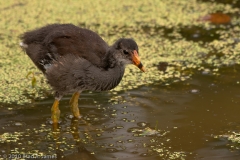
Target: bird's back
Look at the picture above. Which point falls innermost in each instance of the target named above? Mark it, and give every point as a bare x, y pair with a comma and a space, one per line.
53, 41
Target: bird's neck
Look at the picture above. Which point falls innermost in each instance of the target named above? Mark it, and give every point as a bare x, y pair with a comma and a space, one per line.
109, 60
113, 71
112, 77
101, 79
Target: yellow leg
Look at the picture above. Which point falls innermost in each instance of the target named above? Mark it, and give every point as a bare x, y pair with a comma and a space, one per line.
55, 111
74, 104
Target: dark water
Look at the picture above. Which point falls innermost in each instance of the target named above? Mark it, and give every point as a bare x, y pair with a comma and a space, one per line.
191, 113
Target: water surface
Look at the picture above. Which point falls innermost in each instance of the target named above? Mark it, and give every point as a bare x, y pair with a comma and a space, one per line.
186, 117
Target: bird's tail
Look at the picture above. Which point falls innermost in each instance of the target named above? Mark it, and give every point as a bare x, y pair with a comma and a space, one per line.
23, 45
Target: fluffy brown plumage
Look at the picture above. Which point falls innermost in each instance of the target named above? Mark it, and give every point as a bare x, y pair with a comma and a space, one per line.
74, 59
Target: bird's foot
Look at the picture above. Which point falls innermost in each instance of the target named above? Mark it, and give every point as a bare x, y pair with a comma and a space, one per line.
75, 111
55, 131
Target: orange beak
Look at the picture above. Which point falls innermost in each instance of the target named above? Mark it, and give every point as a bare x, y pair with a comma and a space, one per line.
136, 61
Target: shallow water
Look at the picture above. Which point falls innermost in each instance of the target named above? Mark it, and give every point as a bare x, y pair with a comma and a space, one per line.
189, 119
186, 116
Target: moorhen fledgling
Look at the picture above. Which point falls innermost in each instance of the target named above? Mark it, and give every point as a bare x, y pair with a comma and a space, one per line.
74, 59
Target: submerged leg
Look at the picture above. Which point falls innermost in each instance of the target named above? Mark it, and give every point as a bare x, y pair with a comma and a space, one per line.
55, 111
74, 104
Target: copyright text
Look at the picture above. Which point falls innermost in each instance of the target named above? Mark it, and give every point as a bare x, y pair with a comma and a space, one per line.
28, 156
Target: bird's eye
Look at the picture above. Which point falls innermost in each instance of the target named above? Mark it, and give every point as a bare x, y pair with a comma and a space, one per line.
125, 51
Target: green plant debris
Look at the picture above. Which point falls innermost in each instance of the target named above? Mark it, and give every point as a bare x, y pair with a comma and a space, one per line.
233, 139
39, 137
158, 145
44, 141
154, 24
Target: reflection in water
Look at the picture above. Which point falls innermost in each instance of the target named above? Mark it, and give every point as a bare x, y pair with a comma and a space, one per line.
152, 122
82, 153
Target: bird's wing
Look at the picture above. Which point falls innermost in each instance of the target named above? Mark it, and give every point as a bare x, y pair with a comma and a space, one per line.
52, 41
81, 42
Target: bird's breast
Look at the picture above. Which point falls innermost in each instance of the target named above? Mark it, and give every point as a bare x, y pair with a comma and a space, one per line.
98, 79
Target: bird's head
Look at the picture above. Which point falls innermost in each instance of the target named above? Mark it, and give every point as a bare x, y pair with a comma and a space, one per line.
126, 52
